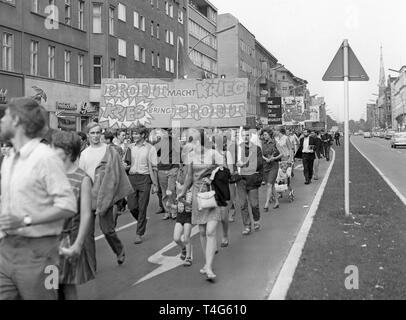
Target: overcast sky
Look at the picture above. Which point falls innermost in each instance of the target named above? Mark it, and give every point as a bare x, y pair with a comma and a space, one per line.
304, 35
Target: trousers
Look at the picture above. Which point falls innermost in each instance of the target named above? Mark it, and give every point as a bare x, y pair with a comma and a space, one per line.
139, 200
27, 268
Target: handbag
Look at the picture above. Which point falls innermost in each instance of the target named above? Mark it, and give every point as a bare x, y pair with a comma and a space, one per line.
206, 200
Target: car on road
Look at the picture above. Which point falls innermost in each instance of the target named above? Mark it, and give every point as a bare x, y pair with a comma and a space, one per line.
398, 139
367, 134
389, 134
381, 134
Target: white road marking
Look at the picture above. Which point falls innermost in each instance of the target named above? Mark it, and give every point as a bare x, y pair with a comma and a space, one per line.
285, 277
390, 184
117, 230
166, 262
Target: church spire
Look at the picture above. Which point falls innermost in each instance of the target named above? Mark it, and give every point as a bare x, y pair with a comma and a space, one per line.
382, 73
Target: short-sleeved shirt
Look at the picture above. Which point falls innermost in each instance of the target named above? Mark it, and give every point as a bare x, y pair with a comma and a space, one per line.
141, 156
33, 181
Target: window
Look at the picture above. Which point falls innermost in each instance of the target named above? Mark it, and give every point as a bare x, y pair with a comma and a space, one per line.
152, 3
122, 76
171, 11
167, 64
158, 63
122, 48
136, 20
152, 59
142, 53
34, 6
8, 52
67, 12
81, 13
122, 12
97, 69
51, 62
180, 16
142, 21
172, 65
112, 68
81, 59
67, 66
97, 23
136, 52
171, 37
166, 36
152, 28
34, 58
157, 31
157, 4
167, 8
111, 21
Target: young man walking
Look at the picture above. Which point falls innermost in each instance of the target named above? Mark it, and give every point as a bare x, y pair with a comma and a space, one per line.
36, 198
251, 166
110, 184
326, 139
142, 157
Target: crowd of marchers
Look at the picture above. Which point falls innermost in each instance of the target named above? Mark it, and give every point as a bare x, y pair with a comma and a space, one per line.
55, 186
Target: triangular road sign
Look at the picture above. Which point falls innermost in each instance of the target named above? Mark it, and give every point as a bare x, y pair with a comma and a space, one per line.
335, 71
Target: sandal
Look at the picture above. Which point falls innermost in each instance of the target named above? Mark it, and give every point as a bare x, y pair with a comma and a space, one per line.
224, 244
203, 270
188, 262
210, 276
183, 253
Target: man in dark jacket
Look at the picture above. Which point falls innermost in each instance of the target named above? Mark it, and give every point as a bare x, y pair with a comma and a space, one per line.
306, 152
327, 139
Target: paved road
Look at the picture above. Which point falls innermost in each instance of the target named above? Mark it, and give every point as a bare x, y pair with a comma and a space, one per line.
245, 270
392, 162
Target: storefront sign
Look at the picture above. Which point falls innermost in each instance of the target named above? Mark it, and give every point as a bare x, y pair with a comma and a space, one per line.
88, 109
66, 107
275, 111
157, 103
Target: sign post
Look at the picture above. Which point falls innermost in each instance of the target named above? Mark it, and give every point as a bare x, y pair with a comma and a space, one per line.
346, 67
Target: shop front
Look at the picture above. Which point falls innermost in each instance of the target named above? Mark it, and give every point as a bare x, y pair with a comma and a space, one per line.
67, 105
11, 86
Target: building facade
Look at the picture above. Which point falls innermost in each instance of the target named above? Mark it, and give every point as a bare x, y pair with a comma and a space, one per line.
202, 38
66, 48
370, 122
398, 101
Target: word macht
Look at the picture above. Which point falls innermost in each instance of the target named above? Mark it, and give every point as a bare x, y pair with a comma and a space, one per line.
148, 90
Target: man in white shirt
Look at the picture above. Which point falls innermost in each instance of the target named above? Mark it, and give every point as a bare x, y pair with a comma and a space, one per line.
143, 160
90, 159
36, 198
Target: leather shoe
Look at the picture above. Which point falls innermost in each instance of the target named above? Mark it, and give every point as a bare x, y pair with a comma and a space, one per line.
138, 239
121, 257
306, 182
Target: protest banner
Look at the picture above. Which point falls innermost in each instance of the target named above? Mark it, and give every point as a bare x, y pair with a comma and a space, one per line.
162, 103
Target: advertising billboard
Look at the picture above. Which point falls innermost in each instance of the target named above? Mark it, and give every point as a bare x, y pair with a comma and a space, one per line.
274, 111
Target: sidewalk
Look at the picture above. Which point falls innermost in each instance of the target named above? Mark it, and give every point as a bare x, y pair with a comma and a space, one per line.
374, 240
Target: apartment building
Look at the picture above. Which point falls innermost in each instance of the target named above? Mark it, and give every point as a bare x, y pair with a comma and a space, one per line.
66, 48
202, 38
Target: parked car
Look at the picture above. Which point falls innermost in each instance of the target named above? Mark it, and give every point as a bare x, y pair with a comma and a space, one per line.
381, 134
367, 134
398, 139
389, 134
